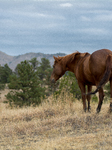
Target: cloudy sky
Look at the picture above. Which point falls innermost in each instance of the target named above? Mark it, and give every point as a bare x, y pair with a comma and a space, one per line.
52, 26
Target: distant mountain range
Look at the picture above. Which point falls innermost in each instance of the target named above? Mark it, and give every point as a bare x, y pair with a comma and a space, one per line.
12, 61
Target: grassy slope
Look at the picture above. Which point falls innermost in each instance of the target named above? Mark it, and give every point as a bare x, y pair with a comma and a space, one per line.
55, 126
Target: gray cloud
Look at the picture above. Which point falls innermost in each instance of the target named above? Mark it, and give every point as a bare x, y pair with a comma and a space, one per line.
55, 26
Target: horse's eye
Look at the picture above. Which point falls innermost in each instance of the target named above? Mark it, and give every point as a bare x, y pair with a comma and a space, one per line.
53, 66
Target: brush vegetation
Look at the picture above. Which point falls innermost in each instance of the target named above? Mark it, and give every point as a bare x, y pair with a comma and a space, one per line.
56, 124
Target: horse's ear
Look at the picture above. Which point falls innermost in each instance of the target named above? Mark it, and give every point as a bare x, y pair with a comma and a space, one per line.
55, 58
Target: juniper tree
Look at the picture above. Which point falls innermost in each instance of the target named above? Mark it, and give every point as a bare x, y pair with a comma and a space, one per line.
34, 62
27, 86
5, 73
44, 66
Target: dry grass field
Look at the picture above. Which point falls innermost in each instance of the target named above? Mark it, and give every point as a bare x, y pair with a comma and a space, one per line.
55, 125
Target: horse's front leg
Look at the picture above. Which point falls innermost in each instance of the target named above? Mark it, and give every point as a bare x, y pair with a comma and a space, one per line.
89, 97
83, 92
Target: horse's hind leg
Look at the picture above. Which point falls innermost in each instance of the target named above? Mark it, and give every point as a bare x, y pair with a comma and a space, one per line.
101, 96
89, 97
111, 94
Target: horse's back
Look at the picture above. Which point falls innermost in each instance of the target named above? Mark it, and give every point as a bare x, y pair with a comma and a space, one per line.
97, 62
98, 58
101, 53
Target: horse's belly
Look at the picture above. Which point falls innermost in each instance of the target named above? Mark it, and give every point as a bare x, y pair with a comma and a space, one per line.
89, 79
87, 73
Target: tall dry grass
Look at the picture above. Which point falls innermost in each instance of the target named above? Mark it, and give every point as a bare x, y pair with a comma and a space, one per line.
58, 124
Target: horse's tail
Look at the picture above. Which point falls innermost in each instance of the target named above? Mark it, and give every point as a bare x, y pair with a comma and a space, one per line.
106, 75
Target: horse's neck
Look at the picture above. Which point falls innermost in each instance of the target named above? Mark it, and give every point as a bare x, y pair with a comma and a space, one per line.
73, 65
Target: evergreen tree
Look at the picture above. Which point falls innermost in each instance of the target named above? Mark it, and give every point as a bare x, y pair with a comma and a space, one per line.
27, 84
13, 82
5, 73
34, 63
44, 66
45, 71
51, 87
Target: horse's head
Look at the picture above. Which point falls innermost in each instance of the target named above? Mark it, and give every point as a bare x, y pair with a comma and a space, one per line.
58, 69
66, 63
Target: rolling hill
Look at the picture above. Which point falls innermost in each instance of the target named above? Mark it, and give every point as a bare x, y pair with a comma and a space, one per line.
12, 61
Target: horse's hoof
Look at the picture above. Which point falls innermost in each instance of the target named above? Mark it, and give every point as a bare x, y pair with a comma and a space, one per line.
110, 110
89, 110
97, 111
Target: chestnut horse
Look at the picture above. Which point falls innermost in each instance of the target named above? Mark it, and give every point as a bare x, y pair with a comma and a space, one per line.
89, 69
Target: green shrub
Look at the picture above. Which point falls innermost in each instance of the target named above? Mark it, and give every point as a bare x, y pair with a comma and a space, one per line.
69, 83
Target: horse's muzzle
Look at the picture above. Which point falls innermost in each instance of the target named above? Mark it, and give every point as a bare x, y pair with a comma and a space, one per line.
53, 80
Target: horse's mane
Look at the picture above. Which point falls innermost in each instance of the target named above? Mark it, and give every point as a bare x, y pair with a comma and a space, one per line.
68, 58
